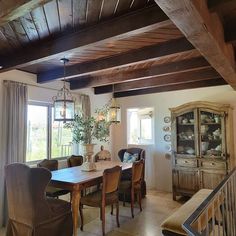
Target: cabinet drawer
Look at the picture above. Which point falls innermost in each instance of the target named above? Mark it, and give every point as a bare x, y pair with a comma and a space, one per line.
213, 164
186, 162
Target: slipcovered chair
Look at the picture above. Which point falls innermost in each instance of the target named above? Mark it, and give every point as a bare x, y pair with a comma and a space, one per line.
127, 175
74, 161
52, 191
30, 212
107, 196
133, 186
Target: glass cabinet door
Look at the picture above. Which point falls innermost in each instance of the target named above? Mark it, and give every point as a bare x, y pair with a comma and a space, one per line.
212, 136
185, 139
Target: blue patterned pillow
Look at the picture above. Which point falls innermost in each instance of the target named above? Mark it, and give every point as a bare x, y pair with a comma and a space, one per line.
130, 158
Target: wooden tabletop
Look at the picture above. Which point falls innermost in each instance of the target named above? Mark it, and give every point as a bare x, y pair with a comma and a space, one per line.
75, 175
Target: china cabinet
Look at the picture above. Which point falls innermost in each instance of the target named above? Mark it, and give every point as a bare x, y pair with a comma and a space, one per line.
202, 146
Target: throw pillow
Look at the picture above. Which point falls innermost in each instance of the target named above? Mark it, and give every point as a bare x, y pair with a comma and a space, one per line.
130, 158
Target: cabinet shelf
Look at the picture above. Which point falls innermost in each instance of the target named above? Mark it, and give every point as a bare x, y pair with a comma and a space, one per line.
183, 140
187, 124
211, 123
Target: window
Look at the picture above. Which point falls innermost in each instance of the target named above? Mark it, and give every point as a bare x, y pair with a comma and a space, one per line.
140, 126
46, 138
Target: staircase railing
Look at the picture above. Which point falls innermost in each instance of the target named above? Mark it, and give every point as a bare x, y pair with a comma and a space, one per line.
216, 216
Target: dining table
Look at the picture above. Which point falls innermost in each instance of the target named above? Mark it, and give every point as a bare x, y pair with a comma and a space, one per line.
75, 179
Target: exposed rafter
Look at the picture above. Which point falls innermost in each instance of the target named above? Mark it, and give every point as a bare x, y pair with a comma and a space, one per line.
163, 80
146, 54
191, 85
165, 69
204, 30
118, 28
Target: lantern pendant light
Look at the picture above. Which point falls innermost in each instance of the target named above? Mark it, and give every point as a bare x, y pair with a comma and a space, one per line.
114, 113
64, 103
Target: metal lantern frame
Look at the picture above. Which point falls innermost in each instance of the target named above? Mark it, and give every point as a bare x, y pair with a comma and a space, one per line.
114, 113
64, 102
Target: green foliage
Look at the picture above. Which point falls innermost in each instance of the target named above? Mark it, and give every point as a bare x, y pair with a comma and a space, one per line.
86, 129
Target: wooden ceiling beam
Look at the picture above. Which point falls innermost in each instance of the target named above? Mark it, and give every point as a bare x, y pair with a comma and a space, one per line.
230, 32
118, 28
164, 69
11, 10
205, 31
190, 85
179, 78
214, 4
151, 53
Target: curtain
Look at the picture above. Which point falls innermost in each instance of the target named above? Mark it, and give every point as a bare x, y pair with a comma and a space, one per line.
83, 104
13, 133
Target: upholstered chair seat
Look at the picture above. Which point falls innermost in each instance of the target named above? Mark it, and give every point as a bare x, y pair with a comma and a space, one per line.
125, 186
102, 198
52, 191
95, 199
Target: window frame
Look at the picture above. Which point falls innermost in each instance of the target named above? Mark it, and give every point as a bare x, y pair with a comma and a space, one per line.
49, 107
141, 141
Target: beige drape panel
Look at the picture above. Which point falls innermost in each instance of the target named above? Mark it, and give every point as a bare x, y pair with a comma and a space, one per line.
83, 104
13, 132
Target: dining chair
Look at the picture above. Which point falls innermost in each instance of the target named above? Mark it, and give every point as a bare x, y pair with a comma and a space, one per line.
133, 186
30, 212
52, 191
74, 160
108, 195
127, 174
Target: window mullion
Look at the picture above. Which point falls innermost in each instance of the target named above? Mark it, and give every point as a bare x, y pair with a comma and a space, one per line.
49, 141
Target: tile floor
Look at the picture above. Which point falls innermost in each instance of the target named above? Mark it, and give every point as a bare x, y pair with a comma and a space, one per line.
156, 207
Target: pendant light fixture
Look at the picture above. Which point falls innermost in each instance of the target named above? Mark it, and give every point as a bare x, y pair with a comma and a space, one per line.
64, 103
114, 114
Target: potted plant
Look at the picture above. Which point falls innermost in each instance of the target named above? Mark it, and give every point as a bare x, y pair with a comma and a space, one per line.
85, 130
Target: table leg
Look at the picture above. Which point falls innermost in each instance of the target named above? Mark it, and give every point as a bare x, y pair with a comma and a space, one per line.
75, 210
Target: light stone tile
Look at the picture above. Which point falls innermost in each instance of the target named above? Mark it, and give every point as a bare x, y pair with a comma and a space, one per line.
156, 207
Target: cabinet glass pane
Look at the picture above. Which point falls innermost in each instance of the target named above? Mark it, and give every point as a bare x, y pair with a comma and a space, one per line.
185, 134
211, 134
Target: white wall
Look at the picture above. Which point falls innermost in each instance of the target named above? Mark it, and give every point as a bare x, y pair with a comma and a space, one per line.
158, 167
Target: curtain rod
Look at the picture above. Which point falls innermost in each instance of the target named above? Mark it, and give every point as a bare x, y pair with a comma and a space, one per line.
38, 86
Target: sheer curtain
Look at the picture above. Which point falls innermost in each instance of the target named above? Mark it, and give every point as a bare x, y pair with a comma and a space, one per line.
13, 132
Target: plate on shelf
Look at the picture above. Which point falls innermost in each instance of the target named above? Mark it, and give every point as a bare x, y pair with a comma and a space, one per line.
168, 147
166, 128
167, 137
167, 119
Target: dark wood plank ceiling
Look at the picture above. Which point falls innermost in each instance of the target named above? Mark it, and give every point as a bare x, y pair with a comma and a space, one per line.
59, 17
129, 43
